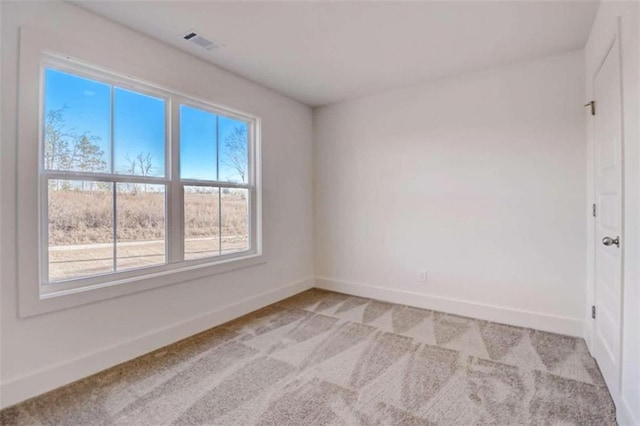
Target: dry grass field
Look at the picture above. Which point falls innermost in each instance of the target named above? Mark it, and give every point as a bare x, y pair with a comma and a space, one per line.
81, 228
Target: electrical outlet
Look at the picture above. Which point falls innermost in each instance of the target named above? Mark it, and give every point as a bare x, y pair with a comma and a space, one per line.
422, 276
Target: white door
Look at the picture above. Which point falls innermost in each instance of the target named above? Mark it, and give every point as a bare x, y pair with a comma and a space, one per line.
609, 219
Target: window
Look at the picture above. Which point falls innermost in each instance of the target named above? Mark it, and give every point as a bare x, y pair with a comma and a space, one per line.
214, 172
136, 180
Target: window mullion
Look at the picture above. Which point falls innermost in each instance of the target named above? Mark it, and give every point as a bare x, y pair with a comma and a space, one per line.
111, 130
103, 177
44, 230
175, 190
219, 188
210, 183
220, 220
113, 185
115, 227
251, 181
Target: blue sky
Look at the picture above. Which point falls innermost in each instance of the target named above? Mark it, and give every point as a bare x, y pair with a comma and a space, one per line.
139, 126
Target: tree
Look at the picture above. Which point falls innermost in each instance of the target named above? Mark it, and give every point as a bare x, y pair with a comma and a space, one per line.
145, 163
68, 149
235, 146
140, 165
56, 145
88, 155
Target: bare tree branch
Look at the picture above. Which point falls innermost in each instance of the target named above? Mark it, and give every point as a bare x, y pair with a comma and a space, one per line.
235, 146
68, 149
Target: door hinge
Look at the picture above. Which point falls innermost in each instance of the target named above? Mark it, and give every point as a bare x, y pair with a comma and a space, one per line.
593, 312
592, 104
594, 210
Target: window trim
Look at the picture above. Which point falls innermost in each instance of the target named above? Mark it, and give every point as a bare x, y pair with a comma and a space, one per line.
36, 53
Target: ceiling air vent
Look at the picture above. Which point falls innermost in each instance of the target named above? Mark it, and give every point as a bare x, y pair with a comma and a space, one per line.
199, 40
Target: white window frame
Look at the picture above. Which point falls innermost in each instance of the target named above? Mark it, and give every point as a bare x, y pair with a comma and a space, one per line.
37, 295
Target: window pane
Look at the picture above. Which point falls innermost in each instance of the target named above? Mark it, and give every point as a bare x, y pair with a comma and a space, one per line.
77, 123
139, 134
235, 220
140, 228
80, 215
198, 150
201, 222
233, 148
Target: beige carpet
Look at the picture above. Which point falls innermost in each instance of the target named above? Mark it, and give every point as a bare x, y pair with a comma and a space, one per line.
323, 358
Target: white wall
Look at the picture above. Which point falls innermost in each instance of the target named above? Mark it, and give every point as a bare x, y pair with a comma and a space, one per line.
478, 179
626, 15
46, 351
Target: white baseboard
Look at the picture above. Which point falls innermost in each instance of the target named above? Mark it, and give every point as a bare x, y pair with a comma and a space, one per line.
39, 382
501, 314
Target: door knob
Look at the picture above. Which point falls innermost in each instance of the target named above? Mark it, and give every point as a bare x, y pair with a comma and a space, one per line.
607, 241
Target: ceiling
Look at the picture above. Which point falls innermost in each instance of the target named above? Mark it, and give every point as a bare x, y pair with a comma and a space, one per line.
324, 52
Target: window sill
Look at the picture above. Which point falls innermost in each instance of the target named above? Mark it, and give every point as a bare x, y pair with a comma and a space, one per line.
52, 301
